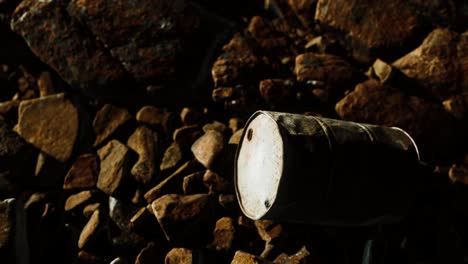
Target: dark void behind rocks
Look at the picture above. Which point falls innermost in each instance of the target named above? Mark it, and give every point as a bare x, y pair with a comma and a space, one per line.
119, 122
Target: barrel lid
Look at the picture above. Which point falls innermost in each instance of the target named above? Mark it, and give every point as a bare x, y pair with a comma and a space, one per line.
259, 165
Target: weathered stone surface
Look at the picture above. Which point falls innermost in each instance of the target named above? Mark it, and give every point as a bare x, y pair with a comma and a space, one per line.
115, 165
186, 219
326, 71
439, 63
224, 234
171, 184
148, 48
428, 123
63, 45
214, 182
193, 183
208, 147
92, 231
51, 124
83, 173
301, 257
173, 157
107, 120
145, 142
236, 65
79, 200
371, 25
179, 256
242, 257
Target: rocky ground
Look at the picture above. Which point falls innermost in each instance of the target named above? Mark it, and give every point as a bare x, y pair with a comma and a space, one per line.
119, 121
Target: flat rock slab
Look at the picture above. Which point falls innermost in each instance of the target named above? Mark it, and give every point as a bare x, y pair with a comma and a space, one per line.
439, 64
115, 159
62, 44
107, 121
145, 142
83, 173
179, 256
51, 124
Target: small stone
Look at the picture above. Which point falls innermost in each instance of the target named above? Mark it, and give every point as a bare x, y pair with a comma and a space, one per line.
87, 257
301, 257
83, 173
173, 157
190, 116
51, 124
89, 209
383, 70
145, 142
154, 116
268, 230
115, 165
193, 183
107, 120
241, 257
92, 231
179, 256
215, 126
208, 148
236, 124
236, 137
79, 200
186, 135
458, 173
224, 234
171, 184
150, 254
45, 85
214, 182
185, 219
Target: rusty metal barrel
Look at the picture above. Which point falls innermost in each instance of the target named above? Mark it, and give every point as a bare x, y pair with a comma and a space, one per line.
315, 170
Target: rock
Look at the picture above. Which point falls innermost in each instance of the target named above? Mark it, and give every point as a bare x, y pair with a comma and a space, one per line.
14, 246
186, 135
237, 65
236, 137
208, 148
327, 72
224, 93
45, 84
120, 212
179, 256
87, 257
115, 165
214, 182
107, 120
83, 173
150, 254
149, 49
9, 109
153, 116
193, 183
357, 19
145, 224
277, 91
146, 143
458, 173
186, 219
236, 124
173, 157
171, 184
429, 124
93, 233
439, 63
61, 43
51, 124
268, 230
457, 106
266, 35
190, 116
224, 234
215, 126
241, 257
79, 200
89, 209
301, 257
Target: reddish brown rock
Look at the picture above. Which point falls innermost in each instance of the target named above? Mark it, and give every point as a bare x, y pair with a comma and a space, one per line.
145, 142
439, 63
208, 148
179, 256
83, 173
62, 44
193, 183
236, 137
371, 26
89, 209
224, 234
173, 157
242, 257
236, 124
79, 200
154, 116
147, 47
107, 120
268, 230
326, 71
115, 166
216, 126
301, 257
186, 135
214, 182
224, 93
266, 34
428, 123
92, 232
186, 219
51, 124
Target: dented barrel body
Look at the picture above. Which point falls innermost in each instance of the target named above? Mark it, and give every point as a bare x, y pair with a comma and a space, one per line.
308, 169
